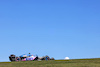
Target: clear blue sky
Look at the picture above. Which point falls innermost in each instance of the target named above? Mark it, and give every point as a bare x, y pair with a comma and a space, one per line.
58, 28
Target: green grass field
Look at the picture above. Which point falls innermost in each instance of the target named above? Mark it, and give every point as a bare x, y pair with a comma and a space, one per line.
54, 63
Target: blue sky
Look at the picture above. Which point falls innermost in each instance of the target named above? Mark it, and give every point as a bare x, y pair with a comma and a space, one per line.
58, 28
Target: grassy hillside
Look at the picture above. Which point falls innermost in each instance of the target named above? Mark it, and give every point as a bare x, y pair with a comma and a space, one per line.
56, 63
